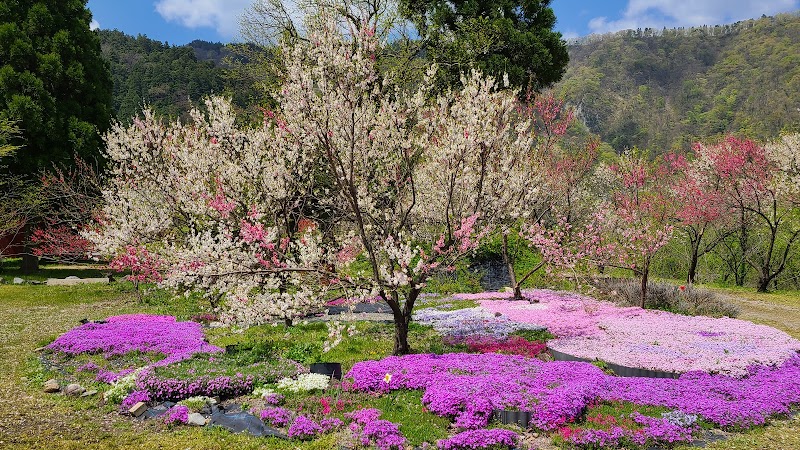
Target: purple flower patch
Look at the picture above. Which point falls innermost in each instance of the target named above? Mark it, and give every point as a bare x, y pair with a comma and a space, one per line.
304, 428
479, 439
136, 332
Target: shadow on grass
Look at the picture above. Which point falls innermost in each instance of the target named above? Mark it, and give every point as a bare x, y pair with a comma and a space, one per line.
10, 268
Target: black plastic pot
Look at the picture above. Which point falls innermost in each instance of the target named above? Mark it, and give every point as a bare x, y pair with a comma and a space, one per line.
333, 370
508, 417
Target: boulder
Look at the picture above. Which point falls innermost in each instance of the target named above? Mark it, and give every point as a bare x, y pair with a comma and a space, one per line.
156, 411
89, 393
138, 409
242, 422
51, 386
74, 389
197, 420
17, 280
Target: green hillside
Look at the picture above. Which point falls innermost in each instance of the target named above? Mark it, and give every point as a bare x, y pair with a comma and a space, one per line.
168, 78
663, 89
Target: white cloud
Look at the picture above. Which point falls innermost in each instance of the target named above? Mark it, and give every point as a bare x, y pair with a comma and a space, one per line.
569, 34
670, 13
94, 24
222, 15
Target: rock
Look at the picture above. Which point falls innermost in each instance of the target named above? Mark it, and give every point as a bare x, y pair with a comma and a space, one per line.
155, 411
40, 349
72, 281
197, 420
72, 277
51, 386
138, 409
244, 422
74, 389
89, 393
18, 280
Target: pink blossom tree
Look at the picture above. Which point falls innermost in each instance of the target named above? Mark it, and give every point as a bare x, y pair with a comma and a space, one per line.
546, 206
702, 215
636, 219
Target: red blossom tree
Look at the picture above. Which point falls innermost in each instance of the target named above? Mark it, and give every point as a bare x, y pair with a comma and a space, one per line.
702, 215
758, 186
73, 199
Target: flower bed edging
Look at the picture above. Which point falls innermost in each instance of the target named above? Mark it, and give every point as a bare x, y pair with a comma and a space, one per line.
620, 370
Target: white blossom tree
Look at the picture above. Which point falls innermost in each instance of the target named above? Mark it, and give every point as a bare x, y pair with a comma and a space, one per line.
414, 179
349, 164
209, 206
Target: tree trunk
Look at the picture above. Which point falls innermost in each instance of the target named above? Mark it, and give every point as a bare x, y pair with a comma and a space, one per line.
401, 337
741, 274
643, 296
692, 275
510, 268
765, 278
692, 270
402, 318
30, 263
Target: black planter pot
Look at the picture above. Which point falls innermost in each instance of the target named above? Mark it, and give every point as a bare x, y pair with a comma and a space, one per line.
333, 370
507, 417
233, 348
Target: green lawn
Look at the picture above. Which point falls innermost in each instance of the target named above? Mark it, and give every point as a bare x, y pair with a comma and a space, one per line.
33, 315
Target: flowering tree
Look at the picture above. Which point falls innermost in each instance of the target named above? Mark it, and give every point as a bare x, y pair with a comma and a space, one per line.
761, 185
547, 190
702, 214
73, 197
226, 210
413, 179
209, 206
635, 221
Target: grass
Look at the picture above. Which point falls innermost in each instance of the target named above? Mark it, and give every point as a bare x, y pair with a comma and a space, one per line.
780, 309
31, 316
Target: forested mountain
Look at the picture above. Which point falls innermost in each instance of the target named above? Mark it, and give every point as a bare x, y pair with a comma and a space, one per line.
652, 89
168, 78
663, 89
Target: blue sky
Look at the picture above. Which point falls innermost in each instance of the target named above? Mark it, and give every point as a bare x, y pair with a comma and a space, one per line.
181, 21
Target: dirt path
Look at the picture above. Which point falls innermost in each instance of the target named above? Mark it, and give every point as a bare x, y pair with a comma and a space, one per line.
778, 311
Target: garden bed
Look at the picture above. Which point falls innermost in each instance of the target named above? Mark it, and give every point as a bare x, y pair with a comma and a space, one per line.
653, 340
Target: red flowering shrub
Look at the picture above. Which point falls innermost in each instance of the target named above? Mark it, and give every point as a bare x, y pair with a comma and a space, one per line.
514, 345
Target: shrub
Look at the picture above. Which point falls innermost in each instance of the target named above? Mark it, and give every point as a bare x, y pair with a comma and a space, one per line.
305, 382
688, 300
196, 403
